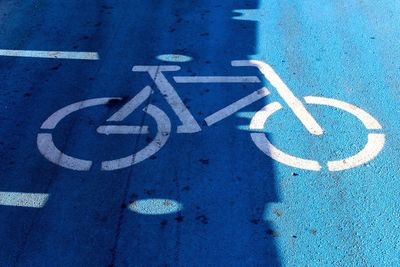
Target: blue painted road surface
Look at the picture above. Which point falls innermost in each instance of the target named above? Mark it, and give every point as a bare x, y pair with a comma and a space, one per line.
199, 133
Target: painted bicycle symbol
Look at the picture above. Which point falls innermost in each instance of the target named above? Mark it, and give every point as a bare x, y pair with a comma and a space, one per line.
188, 125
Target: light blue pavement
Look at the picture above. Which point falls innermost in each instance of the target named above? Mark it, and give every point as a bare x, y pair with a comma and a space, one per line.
209, 198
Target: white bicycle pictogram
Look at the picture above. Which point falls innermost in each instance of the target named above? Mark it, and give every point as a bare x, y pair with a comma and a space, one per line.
188, 125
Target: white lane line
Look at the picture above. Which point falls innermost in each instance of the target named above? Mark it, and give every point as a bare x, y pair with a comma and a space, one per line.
232, 108
122, 129
50, 54
293, 102
17, 199
216, 79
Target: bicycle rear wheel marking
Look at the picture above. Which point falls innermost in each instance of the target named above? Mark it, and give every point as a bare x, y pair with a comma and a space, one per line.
49, 150
45, 141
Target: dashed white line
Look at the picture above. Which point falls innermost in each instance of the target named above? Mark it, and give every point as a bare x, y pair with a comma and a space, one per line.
50, 54
29, 200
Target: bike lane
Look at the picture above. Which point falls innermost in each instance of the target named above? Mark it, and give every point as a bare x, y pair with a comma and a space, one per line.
87, 219
344, 51
225, 184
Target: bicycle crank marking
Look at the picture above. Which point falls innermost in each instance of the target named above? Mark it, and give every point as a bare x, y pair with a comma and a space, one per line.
374, 145
163, 132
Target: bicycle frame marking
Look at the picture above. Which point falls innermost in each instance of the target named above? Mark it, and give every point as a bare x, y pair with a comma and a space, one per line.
132, 105
189, 124
287, 95
236, 106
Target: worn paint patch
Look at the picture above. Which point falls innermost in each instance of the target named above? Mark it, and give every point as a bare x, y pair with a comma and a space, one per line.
155, 206
174, 58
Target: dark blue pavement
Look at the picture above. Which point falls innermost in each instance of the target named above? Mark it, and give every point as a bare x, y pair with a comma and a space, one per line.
239, 206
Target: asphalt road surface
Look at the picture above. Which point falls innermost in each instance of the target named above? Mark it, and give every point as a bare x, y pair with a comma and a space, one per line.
199, 133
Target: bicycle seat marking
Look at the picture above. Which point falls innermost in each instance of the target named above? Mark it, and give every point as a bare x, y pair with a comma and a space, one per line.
189, 125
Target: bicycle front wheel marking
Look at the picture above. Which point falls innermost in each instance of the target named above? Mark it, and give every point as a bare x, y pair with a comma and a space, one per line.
374, 145
262, 142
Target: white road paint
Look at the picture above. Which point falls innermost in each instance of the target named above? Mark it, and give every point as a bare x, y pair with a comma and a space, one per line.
49, 150
155, 206
28, 200
292, 101
236, 106
50, 54
262, 142
375, 141
189, 124
374, 145
174, 58
164, 130
369, 122
122, 129
216, 79
132, 105
45, 141
370, 151
57, 116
